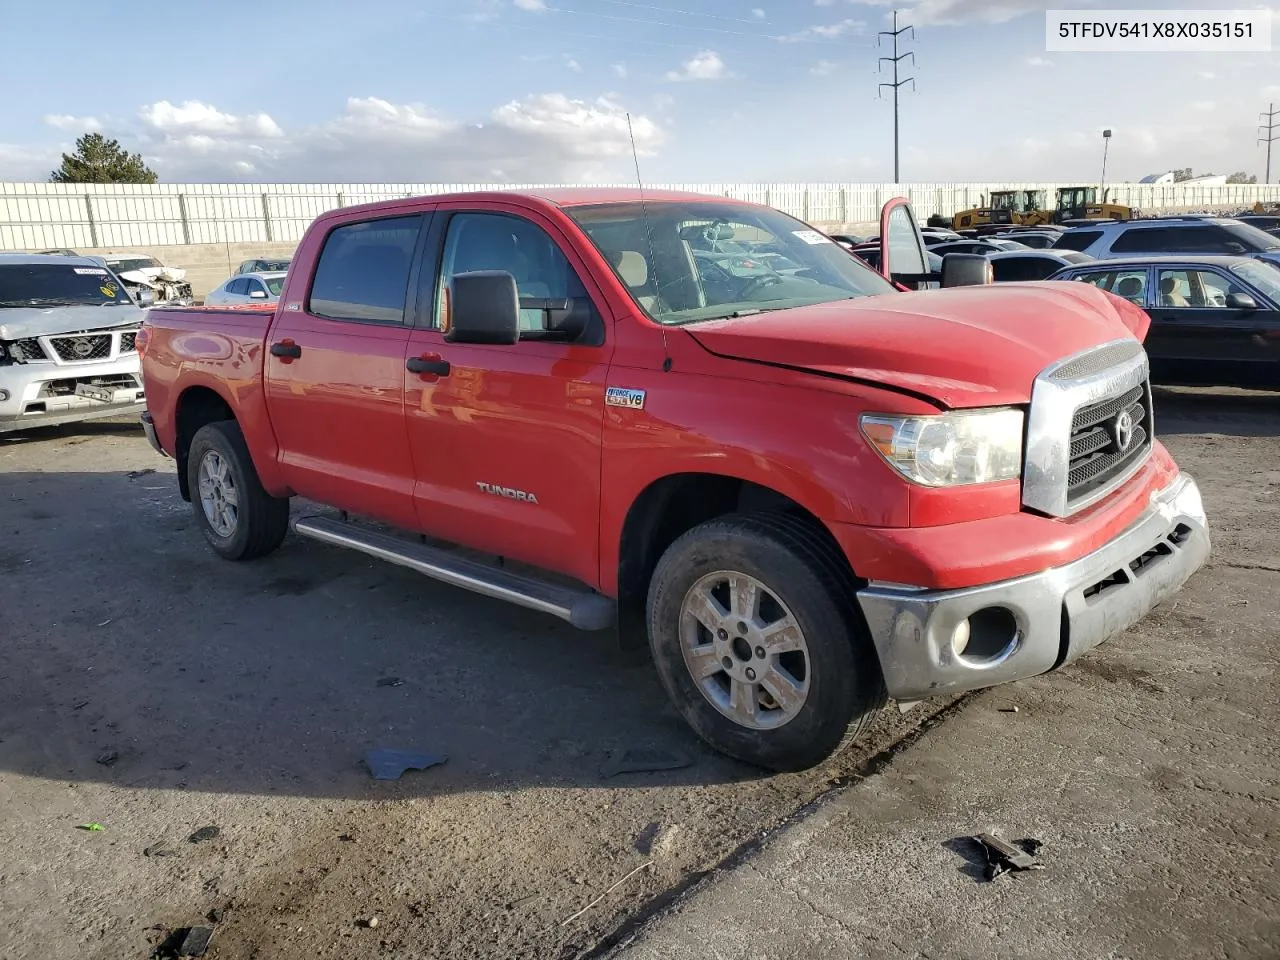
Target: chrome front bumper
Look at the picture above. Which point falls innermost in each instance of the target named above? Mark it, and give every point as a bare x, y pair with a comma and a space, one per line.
1028, 626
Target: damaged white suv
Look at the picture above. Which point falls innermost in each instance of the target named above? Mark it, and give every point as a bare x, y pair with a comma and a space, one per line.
141, 272
67, 342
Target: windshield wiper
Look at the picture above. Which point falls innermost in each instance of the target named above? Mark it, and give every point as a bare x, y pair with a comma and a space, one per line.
746, 312
44, 302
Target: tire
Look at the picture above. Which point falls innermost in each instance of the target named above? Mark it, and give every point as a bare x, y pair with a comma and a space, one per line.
841, 688
260, 521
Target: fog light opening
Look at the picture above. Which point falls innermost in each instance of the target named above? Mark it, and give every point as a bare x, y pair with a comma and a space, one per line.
4, 395
987, 636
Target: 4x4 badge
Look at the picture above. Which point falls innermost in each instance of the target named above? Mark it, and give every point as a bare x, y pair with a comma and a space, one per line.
624, 397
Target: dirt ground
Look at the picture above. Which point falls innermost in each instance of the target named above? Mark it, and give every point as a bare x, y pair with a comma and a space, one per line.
151, 688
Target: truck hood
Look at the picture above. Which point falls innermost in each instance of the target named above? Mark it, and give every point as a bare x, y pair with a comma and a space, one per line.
18, 323
961, 347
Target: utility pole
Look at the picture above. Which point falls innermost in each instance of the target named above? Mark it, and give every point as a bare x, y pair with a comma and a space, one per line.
896, 32
1270, 127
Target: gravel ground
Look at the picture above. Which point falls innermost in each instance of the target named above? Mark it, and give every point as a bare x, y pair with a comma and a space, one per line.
148, 686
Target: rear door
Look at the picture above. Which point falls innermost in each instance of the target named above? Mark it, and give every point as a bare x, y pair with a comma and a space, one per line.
335, 370
1202, 340
506, 439
902, 248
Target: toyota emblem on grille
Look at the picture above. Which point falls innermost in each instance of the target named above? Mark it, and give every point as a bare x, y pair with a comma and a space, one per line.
1122, 429
81, 348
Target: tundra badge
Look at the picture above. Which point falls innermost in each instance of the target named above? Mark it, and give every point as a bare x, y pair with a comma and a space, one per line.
624, 397
509, 492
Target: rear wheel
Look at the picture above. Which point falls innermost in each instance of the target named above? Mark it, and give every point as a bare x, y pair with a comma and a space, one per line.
757, 640
237, 516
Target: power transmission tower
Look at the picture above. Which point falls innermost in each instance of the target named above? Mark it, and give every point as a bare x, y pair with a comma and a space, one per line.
1270, 127
897, 58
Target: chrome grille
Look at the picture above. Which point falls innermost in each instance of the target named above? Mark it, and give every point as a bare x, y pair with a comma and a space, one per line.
27, 349
80, 347
1100, 449
128, 342
1089, 428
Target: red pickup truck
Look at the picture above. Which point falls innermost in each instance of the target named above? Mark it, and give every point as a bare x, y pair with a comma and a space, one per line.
809, 487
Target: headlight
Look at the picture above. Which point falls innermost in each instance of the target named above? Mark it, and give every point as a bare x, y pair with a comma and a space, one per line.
950, 449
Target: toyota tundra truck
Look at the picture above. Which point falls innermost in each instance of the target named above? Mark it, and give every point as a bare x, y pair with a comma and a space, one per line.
808, 486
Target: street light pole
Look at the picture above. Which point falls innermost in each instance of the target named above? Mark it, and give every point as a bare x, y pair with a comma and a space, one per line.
1106, 142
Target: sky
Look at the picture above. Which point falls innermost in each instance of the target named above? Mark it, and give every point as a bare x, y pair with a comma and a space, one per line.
521, 91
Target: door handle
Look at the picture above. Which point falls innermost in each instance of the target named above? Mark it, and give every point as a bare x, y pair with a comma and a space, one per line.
286, 350
428, 365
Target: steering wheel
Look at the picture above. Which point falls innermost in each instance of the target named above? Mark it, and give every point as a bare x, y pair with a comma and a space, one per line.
759, 283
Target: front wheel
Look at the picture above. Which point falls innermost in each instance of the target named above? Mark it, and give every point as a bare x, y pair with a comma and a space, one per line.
237, 516
756, 638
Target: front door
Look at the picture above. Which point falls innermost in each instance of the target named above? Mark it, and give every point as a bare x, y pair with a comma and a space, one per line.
335, 372
506, 440
1200, 340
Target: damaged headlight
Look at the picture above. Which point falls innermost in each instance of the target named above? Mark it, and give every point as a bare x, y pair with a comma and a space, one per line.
950, 449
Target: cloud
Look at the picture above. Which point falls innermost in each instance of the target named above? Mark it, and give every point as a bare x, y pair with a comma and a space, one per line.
824, 68
1037, 62
828, 31
536, 6
705, 65
757, 13
619, 69
573, 65
548, 137
192, 117
956, 12
64, 121
1206, 75
1204, 106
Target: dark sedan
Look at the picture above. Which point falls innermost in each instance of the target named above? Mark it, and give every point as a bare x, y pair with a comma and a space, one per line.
1215, 321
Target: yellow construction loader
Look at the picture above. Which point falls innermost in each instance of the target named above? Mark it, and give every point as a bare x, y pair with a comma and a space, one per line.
1014, 207
1081, 203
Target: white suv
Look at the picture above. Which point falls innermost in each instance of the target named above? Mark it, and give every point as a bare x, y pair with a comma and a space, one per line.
1165, 235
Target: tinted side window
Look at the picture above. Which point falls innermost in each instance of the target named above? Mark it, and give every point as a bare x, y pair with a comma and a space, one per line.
238, 287
489, 241
1072, 240
1014, 269
1150, 240
363, 271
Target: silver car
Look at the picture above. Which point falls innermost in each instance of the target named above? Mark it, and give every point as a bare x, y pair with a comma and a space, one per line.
247, 288
68, 342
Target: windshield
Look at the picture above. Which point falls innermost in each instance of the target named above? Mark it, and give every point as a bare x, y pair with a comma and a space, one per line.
1252, 237
57, 284
274, 285
1264, 276
696, 261
134, 263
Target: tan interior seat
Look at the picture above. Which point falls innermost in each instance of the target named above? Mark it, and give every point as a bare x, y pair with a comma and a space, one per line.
1169, 294
633, 268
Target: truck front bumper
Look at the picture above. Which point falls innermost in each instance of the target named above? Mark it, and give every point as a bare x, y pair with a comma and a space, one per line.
935, 642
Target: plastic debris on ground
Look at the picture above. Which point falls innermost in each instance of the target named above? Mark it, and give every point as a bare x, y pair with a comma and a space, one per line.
1003, 856
91, 827
391, 764
643, 761
203, 834
184, 942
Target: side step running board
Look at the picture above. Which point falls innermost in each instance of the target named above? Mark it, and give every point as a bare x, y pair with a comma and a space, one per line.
582, 608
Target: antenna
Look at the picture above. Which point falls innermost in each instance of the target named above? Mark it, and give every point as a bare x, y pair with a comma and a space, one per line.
648, 239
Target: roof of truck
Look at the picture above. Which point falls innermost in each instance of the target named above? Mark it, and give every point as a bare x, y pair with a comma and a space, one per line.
58, 258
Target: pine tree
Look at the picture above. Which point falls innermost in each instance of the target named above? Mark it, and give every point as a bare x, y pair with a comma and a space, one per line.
99, 160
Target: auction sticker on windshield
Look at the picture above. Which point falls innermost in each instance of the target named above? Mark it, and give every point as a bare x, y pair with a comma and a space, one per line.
91, 272
812, 237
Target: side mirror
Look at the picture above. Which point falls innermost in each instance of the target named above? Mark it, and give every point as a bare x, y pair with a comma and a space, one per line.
146, 297
258, 294
966, 270
483, 307
1241, 301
